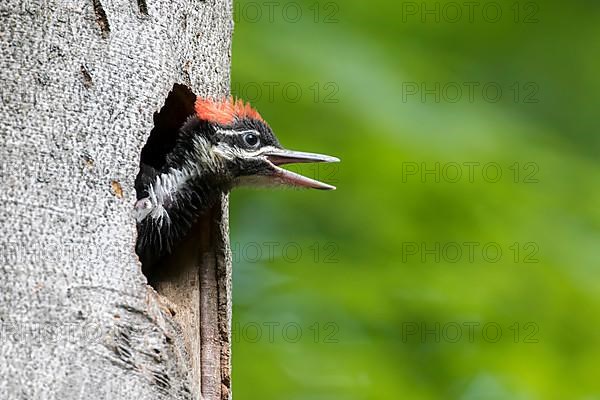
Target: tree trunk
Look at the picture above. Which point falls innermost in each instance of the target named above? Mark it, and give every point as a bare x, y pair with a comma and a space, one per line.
80, 83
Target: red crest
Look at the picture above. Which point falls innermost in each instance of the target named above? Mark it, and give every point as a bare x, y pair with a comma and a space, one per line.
224, 112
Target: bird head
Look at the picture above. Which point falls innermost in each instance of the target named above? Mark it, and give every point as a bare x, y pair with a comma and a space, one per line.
242, 149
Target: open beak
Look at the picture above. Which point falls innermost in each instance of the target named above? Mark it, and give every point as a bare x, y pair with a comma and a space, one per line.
279, 157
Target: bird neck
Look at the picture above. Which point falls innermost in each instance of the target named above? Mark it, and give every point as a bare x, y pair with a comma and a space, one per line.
193, 174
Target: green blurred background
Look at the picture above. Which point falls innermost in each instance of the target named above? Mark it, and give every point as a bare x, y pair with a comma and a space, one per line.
392, 286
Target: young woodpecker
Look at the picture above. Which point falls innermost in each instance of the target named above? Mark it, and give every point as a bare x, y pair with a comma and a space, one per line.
224, 144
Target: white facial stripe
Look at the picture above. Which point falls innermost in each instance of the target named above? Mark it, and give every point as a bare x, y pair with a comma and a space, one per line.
230, 132
224, 150
267, 149
230, 153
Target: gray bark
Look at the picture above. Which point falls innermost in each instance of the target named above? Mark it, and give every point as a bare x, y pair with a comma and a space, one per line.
80, 82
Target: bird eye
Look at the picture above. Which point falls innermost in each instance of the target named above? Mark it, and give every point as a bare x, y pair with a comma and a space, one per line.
251, 139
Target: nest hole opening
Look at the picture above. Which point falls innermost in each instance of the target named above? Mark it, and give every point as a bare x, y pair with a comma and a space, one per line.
177, 108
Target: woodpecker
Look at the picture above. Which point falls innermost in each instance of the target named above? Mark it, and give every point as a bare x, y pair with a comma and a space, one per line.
224, 144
